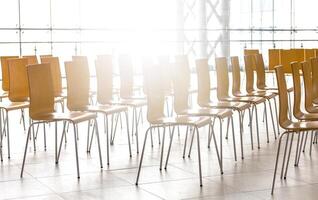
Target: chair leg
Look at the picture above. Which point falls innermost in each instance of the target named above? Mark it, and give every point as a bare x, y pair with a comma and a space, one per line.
185, 142
216, 149
311, 142
44, 134
142, 155
98, 143
199, 154
288, 158
61, 141
25, 150
107, 140
162, 147
283, 165
212, 129
296, 155
276, 163
266, 122
305, 142
251, 131
169, 149
128, 136
221, 144
136, 122
227, 129
115, 128
76, 150
189, 154
159, 140
241, 133
257, 128
289, 106
272, 117
88, 133
233, 135
276, 113
301, 145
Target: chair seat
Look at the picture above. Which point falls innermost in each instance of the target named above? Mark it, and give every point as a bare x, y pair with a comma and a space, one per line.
247, 99
221, 113
291, 89
14, 105
306, 116
75, 117
257, 93
300, 126
106, 109
232, 105
130, 102
183, 120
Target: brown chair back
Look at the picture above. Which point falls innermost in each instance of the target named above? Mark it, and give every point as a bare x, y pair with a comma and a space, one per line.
55, 72
18, 80
222, 78
283, 96
32, 59
249, 61
260, 71
41, 90
273, 58
126, 76
314, 67
77, 77
180, 87
307, 76
297, 88
5, 71
104, 76
203, 81
236, 75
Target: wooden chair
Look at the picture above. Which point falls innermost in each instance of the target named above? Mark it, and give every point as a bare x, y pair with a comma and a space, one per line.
78, 84
250, 64
314, 67
307, 75
181, 81
223, 94
156, 117
5, 75
204, 99
41, 90
32, 59
288, 125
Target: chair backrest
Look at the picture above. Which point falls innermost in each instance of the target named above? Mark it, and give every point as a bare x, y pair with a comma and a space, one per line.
283, 96
55, 72
18, 80
32, 59
184, 68
104, 76
251, 52
77, 77
236, 75
126, 73
147, 62
180, 87
307, 76
47, 55
164, 62
249, 61
5, 71
309, 53
41, 89
222, 75
289, 56
155, 93
203, 81
297, 87
273, 58
260, 71
314, 67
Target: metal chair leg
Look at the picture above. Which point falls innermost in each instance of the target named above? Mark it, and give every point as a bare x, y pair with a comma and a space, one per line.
98, 143
128, 136
169, 149
76, 149
276, 113
199, 154
233, 135
221, 143
251, 131
162, 147
283, 165
288, 158
25, 150
257, 128
276, 163
266, 122
8, 133
241, 134
185, 142
272, 117
296, 155
142, 155
189, 154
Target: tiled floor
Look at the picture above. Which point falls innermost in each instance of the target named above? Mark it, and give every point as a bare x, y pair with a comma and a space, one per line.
244, 179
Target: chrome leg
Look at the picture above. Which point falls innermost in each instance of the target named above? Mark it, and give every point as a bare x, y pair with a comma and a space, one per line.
61, 141
276, 163
296, 155
216, 149
305, 142
241, 133
107, 140
56, 160
227, 129
272, 117
284, 158
266, 123
290, 148
169, 149
76, 150
233, 135
199, 155
88, 132
185, 142
162, 147
44, 134
311, 141
189, 154
25, 150
221, 143
212, 129
257, 129
98, 143
137, 140
276, 113
301, 145
251, 131
142, 155
8, 134
128, 136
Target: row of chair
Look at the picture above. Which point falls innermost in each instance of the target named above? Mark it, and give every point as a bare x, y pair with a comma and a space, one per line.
306, 123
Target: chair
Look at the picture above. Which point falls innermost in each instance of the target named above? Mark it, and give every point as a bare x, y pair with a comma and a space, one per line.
56, 77
308, 54
314, 67
104, 76
78, 79
181, 81
5, 74
250, 64
204, 95
41, 110
32, 59
127, 97
289, 126
47, 55
251, 52
273, 58
156, 117
223, 94
307, 75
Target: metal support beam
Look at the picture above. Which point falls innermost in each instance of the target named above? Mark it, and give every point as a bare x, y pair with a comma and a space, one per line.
202, 29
